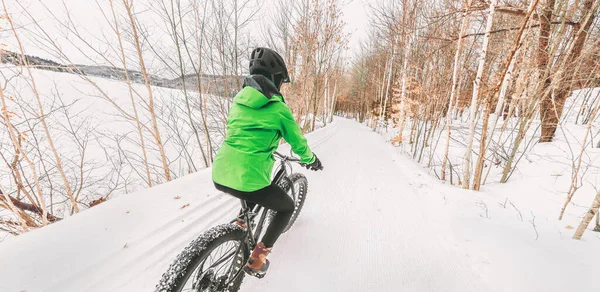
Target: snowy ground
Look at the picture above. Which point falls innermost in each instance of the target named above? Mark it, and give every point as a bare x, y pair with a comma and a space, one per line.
544, 172
373, 221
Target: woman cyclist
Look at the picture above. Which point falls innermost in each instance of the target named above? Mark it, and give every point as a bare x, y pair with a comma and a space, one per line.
257, 120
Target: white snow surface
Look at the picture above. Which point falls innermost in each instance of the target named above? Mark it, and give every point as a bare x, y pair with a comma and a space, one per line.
373, 221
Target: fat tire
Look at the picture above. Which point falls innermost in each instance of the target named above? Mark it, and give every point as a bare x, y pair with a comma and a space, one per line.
196, 252
299, 202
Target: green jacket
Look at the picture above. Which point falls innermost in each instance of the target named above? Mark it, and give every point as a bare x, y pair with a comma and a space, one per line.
258, 119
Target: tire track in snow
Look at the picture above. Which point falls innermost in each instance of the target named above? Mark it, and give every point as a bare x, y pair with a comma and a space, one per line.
160, 245
328, 133
163, 254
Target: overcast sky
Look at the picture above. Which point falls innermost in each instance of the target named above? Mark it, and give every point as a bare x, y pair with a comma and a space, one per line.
355, 16
87, 18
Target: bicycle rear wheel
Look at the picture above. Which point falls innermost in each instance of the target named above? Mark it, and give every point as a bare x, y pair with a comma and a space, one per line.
296, 186
212, 262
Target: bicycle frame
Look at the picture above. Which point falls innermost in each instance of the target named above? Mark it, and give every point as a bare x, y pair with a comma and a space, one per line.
248, 215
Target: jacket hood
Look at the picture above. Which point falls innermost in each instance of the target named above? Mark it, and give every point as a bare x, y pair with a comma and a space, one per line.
257, 91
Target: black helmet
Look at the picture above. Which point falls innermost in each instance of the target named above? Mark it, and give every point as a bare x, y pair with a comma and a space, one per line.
267, 62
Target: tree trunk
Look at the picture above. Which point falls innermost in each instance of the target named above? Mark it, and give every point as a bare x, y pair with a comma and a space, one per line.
387, 96
552, 108
21, 216
475, 98
184, 87
588, 217
401, 116
482, 146
316, 90
33, 209
156, 133
200, 28
463, 28
543, 59
325, 102
135, 111
385, 91
42, 117
505, 77
333, 100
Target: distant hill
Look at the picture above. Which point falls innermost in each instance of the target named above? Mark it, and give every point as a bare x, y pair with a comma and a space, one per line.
212, 84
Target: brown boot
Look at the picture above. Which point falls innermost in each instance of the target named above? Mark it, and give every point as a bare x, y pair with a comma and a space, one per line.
257, 263
241, 223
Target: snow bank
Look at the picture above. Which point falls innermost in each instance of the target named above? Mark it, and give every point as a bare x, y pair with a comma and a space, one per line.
124, 244
544, 171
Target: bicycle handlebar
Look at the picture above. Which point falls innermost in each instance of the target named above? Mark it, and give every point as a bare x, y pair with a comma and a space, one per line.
286, 158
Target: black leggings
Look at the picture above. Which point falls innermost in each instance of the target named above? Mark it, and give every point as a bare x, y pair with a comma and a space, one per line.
271, 197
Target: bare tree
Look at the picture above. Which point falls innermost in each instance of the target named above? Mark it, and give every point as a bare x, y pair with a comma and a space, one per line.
318, 39
483, 145
131, 95
552, 108
156, 132
474, 101
456, 65
75, 208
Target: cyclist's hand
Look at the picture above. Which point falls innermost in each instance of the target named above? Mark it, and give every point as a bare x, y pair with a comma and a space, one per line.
316, 165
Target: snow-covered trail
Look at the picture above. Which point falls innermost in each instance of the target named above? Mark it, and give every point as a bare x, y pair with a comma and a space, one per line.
364, 228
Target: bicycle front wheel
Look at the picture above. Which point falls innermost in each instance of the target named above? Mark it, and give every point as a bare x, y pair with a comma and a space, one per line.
212, 262
296, 186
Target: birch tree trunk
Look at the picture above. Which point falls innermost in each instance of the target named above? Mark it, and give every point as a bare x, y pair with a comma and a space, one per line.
325, 102
401, 115
463, 28
475, 97
387, 97
504, 87
483, 146
333, 99
382, 93
588, 217
387, 88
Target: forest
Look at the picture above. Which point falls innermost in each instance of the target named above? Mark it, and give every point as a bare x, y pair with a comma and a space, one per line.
467, 89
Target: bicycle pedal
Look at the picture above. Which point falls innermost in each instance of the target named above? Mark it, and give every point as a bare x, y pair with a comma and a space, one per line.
253, 273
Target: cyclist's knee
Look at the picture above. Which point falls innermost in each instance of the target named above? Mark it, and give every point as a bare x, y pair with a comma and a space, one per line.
288, 206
